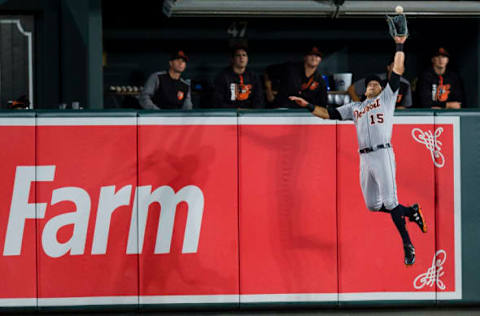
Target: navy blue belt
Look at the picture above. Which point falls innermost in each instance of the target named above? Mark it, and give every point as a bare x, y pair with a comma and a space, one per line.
370, 149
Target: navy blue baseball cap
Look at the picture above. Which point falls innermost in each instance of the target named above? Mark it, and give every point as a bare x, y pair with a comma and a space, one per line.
372, 78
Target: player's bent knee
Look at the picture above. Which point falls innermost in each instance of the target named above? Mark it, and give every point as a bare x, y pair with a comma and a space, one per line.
390, 205
375, 207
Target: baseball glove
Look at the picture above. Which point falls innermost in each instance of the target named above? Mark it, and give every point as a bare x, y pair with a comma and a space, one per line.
397, 25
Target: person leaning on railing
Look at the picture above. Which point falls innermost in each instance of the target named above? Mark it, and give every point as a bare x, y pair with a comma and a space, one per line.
167, 89
439, 88
236, 86
301, 79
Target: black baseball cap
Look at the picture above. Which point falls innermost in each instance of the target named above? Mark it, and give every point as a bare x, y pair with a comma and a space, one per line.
179, 54
314, 51
238, 47
372, 77
440, 51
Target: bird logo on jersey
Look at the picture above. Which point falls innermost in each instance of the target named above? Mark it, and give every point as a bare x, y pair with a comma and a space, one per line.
442, 92
314, 85
310, 85
243, 91
240, 91
399, 98
180, 95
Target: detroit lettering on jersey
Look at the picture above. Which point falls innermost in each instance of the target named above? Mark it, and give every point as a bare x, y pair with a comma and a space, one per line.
358, 114
373, 118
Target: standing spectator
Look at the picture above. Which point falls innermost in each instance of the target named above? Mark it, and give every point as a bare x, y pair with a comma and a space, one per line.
236, 86
404, 99
166, 89
439, 88
297, 79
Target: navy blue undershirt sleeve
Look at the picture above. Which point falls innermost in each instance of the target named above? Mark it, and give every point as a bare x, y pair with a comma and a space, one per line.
334, 114
394, 81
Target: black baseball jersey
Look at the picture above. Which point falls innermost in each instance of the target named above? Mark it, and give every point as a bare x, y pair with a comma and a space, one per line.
437, 90
291, 81
163, 92
233, 90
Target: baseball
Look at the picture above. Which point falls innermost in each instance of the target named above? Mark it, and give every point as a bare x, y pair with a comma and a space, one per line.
399, 9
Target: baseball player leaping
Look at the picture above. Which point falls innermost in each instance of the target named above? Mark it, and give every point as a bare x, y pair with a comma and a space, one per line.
373, 120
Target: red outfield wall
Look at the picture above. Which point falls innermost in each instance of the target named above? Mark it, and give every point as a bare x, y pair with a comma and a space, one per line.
174, 210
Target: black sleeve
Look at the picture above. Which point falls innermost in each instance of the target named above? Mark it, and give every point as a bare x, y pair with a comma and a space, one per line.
219, 93
394, 81
324, 94
258, 95
457, 91
406, 93
319, 96
424, 92
334, 114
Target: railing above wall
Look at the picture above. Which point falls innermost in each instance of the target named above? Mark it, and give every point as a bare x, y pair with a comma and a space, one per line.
211, 112
264, 8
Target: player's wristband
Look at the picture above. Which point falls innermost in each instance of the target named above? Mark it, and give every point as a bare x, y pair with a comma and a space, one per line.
399, 47
311, 107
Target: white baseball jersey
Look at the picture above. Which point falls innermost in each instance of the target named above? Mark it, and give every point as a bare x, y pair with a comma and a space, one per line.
373, 120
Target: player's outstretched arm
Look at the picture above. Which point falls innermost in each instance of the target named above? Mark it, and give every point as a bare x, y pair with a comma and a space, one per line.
399, 58
316, 110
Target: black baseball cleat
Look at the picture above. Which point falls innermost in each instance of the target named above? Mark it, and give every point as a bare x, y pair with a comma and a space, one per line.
418, 218
409, 254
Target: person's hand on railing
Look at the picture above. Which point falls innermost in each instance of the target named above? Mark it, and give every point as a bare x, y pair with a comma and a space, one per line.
453, 105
